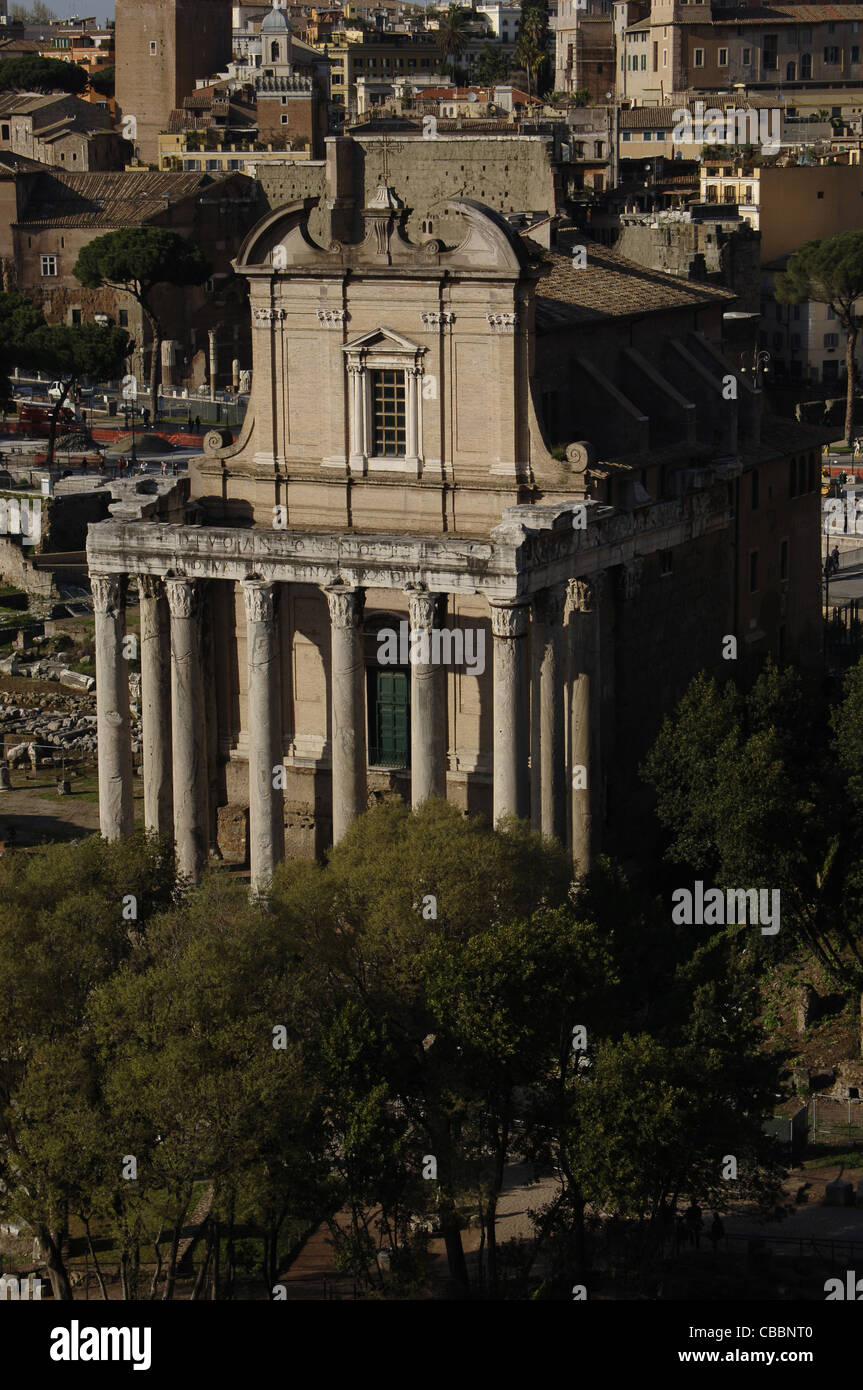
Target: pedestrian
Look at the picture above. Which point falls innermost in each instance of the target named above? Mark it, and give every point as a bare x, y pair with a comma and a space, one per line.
834, 556
717, 1231
197, 422
164, 468
694, 1222
681, 1234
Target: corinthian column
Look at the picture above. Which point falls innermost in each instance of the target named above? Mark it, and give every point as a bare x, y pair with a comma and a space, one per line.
188, 723
156, 705
348, 706
428, 684
583, 602
113, 728
508, 629
552, 768
266, 801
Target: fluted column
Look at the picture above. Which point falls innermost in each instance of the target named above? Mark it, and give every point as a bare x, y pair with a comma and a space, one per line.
189, 728
266, 801
428, 704
508, 628
552, 767
156, 705
583, 602
348, 706
113, 726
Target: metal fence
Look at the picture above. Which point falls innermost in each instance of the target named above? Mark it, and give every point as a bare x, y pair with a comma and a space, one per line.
844, 635
835, 1121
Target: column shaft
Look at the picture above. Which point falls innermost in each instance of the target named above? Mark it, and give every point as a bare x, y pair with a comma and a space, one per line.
510, 792
552, 768
113, 725
266, 799
156, 705
189, 729
583, 601
428, 705
348, 707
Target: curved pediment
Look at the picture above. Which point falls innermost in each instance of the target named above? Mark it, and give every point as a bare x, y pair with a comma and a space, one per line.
490, 242
282, 241
286, 228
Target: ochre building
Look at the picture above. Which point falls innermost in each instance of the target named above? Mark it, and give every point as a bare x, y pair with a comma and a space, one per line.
490, 509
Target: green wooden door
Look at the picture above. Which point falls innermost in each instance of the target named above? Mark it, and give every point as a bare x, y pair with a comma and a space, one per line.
389, 718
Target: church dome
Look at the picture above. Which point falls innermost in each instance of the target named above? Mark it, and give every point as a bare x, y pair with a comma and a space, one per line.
276, 22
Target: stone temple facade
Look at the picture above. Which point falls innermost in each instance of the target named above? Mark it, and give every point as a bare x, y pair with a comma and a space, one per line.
407, 466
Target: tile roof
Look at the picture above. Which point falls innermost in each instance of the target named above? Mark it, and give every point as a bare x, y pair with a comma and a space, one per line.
611, 287
787, 14
22, 103
106, 200
662, 117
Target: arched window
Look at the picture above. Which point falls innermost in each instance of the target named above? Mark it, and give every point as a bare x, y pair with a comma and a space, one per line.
805, 66
274, 51
790, 72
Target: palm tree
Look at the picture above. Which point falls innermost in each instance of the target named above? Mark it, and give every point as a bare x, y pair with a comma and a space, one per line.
529, 55
452, 34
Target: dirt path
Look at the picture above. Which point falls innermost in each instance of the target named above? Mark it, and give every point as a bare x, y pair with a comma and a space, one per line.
37, 817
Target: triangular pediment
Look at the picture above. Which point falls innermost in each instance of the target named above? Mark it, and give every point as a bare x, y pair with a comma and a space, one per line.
382, 339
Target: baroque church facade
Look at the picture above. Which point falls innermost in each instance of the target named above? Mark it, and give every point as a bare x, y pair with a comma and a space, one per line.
524, 453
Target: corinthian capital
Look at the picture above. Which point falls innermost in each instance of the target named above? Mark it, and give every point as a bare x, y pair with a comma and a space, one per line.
109, 593
585, 595
509, 619
183, 597
424, 608
151, 586
260, 601
346, 605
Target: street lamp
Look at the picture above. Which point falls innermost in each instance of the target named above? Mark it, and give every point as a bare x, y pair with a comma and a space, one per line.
760, 364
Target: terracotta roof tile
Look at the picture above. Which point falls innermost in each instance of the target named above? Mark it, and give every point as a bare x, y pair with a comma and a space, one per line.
107, 200
611, 287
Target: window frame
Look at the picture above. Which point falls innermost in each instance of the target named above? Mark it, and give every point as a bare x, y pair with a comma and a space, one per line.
383, 350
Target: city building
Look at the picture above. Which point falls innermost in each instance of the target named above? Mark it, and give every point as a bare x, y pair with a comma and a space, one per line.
163, 47
584, 48
523, 468
789, 205
694, 47
47, 217
60, 130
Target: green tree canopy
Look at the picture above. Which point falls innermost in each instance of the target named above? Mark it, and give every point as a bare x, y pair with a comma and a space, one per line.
102, 81
79, 350
35, 74
139, 260
19, 320
830, 272
452, 34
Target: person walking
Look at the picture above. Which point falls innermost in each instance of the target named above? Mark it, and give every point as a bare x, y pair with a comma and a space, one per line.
694, 1223
198, 423
717, 1232
681, 1234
